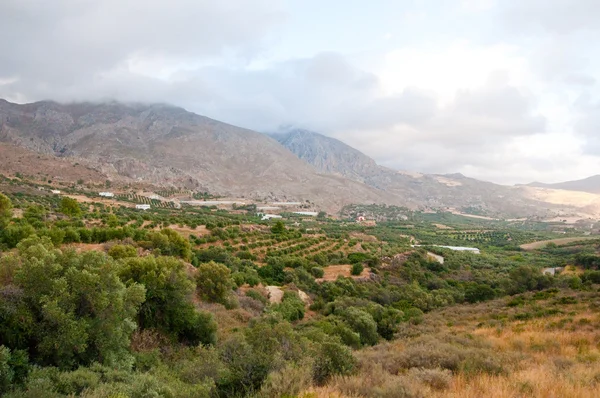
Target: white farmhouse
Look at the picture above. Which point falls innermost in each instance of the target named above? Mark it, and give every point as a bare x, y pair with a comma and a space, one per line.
142, 207
55, 191
107, 194
270, 216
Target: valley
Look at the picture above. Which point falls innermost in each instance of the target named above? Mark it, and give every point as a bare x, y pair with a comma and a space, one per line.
369, 302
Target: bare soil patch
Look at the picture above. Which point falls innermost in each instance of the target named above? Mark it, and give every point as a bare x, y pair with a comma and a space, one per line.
558, 242
332, 272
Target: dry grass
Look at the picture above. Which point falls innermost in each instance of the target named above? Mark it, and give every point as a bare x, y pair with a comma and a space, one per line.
332, 272
558, 242
486, 350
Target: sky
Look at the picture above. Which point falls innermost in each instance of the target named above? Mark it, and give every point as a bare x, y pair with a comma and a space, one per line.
501, 90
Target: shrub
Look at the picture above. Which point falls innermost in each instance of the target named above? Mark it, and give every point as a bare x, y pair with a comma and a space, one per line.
214, 282
167, 306
357, 269
122, 251
332, 359
438, 379
291, 307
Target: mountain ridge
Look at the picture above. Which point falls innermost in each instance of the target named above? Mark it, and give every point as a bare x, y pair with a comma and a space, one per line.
168, 146
590, 184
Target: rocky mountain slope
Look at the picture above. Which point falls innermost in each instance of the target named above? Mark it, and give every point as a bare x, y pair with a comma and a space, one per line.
590, 185
453, 192
168, 146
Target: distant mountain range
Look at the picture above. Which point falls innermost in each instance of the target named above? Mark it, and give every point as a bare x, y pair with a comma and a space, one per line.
590, 185
167, 146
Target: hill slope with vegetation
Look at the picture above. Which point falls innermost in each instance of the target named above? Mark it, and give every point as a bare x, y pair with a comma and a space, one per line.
103, 300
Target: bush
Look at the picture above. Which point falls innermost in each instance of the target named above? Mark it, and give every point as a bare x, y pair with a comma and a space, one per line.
167, 306
332, 359
122, 251
214, 282
291, 307
317, 272
357, 269
438, 379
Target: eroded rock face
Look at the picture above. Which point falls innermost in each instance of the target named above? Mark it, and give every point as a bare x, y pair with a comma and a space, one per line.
169, 146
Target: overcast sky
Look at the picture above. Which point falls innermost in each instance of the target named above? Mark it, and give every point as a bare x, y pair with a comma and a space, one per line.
502, 90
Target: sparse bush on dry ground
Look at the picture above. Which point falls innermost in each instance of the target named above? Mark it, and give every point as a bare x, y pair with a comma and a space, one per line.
484, 350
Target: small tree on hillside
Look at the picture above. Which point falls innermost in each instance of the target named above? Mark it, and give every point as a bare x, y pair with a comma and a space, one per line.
69, 207
5, 210
278, 228
214, 282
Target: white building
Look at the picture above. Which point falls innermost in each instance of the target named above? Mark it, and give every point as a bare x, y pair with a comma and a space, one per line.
270, 216
55, 191
142, 207
107, 194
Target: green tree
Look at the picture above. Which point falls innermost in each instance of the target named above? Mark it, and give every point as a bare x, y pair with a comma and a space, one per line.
68, 308
171, 243
168, 292
5, 210
476, 292
362, 323
357, 269
291, 307
278, 228
214, 282
122, 251
332, 359
69, 206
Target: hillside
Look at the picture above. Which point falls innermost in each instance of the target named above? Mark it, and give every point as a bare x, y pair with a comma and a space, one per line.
453, 192
168, 146
329, 155
590, 185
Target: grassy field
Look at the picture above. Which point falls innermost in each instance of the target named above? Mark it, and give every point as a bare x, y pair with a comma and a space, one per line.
560, 241
547, 345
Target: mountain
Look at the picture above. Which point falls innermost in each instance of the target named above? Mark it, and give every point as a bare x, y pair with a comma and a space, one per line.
453, 192
590, 185
328, 155
168, 146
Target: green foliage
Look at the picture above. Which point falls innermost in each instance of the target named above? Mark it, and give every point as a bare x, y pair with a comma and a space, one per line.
291, 307
332, 359
476, 292
167, 306
278, 228
171, 243
214, 282
526, 278
362, 323
5, 210
122, 251
68, 308
69, 206
357, 269
14, 367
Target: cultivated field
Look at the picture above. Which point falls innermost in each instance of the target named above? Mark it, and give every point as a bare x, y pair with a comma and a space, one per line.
558, 242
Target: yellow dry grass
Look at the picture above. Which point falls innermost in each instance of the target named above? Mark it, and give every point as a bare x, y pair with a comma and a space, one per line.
558, 242
552, 356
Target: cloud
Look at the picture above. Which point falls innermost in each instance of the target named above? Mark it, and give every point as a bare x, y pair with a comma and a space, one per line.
52, 46
558, 16
588, 123
496, 91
